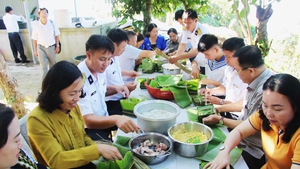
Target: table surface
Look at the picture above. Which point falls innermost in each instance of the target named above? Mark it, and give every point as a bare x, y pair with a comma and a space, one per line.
175, 161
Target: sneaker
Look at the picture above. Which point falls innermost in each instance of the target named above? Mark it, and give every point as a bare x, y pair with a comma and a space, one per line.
26, 61
17, 60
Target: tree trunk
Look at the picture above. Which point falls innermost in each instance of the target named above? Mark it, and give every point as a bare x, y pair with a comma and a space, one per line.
263, 16
9, 87
147, 16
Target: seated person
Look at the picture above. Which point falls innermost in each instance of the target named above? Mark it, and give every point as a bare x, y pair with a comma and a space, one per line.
12, 156
56, 127
140, 40
114, 74
278, 123
99, 51
132, 57
233, 87
173, 42
153, 40
214, 61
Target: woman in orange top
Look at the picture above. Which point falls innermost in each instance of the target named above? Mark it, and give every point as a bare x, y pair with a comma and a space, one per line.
278, 121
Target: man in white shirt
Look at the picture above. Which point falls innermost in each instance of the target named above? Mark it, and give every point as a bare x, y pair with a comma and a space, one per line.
132, 56
98, 121
11, 23
193, 33
45, 36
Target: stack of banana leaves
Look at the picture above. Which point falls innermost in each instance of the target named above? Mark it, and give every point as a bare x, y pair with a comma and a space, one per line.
151, 66
129, 161
180, 88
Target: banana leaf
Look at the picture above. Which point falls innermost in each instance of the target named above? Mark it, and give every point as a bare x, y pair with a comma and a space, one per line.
148, 66
171, 81
181, 96
203, 163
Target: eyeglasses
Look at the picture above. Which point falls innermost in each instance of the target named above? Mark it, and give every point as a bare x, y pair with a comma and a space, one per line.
242, 70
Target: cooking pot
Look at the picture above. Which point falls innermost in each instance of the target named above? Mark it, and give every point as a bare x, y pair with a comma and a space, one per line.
170, 69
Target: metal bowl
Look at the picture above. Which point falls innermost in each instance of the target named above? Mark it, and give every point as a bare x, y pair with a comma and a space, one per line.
191, 150
170, 69
151, 124
154, 138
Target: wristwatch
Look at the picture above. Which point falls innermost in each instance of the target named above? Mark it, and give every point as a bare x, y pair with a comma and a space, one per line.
221, 120
222, 148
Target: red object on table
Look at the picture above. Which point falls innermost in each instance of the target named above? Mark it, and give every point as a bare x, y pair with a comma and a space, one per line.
158, 94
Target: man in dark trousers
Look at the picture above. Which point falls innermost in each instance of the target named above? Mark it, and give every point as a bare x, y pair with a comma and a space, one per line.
11, 23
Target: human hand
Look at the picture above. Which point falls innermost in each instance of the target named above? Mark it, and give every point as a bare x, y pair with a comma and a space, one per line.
195, 72
173, 59
123, 90
213, 99
131, 86
36, 53
133, 74
211, 119
56, 49
173, 53
221, 161
126, 124
109, 152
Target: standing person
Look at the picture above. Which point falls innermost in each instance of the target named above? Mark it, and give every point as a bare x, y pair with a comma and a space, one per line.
251, 69
99, 50
56, 127
114, 74
278, 122
153, 40
11, 153
173, 42
45, 36
11, 23
132, 57
193, 33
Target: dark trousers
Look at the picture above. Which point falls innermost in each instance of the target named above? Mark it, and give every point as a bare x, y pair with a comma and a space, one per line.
252, 162
113, 108
16, 45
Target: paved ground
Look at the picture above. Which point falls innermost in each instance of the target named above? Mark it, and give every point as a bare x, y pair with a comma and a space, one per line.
29, 79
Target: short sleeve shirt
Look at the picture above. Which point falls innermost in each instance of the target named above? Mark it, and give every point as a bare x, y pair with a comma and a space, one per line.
94, 90
45, 34
128, 57
194, 37
279, 154
114, 77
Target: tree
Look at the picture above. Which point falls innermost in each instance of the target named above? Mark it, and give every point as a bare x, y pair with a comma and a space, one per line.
263, 13
128, 9
9, 87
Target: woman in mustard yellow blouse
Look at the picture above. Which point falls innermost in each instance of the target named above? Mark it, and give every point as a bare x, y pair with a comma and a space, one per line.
56, 127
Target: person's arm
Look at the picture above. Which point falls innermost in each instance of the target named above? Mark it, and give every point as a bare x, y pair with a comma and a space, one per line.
215, 119
195, 69
57, 44
242, 131
230, 107
35, 48
123, 90
130, 73
146, 54
211, 82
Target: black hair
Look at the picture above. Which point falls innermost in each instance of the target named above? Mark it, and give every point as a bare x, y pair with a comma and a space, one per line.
288, 86
151, 26
6, 116
140, 37
178, 14
60, 76
43, 9
8, 9
172, 30
131, 33
192, 14
249, 57
99, 42
233, 44
117, 35
207, 41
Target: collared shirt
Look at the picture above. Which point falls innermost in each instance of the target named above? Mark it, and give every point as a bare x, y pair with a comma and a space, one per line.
94, 91
160, 43
194, 37
214, 69
279, 154
172, 46
235, 88
251, 104
128, 57
59, 140
114, 77
11, 22
45, 34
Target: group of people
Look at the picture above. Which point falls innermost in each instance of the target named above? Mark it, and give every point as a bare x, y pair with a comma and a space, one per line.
80, 104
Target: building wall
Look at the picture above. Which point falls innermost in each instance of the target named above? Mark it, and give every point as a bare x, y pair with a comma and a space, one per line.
17, 6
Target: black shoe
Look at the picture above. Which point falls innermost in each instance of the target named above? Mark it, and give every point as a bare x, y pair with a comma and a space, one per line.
17, 60
26, 61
